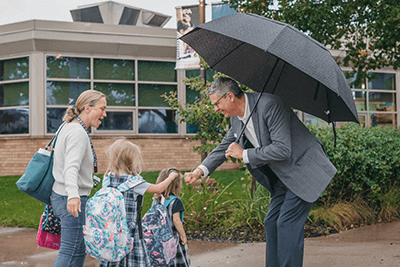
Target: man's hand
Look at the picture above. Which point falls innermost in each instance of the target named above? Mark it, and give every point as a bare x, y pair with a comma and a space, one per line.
234, 151
73, 206
191, 177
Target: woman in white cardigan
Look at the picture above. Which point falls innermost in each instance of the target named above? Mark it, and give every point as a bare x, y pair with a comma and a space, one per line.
74, 159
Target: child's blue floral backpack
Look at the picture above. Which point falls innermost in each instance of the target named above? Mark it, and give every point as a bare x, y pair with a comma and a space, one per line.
106, 232
158, 235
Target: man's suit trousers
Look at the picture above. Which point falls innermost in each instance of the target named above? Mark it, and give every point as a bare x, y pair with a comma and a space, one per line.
284, 228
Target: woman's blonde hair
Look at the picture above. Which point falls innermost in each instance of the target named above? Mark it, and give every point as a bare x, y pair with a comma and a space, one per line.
88, 97
125, 157
174, 187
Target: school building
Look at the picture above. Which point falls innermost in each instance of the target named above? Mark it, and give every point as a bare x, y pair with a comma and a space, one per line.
124, 52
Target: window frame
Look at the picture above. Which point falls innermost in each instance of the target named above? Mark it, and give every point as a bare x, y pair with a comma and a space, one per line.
367, 113
29, 106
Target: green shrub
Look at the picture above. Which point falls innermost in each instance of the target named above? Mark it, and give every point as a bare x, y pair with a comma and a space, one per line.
367, 160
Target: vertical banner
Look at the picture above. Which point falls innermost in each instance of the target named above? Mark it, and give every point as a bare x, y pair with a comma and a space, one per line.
187, 17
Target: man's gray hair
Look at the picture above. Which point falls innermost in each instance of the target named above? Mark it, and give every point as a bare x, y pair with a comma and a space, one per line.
223, 85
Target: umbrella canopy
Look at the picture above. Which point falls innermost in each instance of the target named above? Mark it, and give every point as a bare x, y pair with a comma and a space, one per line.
274, 57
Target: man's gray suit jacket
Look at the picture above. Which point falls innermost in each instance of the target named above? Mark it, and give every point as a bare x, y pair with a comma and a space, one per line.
296, 156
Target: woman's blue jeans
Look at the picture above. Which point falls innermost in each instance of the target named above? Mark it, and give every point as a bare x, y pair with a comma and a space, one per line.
72, 251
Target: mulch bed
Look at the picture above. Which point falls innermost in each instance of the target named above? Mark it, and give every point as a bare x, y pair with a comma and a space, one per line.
250, 235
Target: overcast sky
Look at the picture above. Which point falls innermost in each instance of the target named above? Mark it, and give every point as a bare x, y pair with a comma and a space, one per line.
12, 11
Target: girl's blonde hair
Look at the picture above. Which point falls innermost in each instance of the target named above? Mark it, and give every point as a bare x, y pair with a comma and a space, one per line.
88, 97
125, 157
174, 187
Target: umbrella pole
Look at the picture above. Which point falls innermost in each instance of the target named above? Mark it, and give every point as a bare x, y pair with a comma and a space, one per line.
334, 134
328, 112
259, 97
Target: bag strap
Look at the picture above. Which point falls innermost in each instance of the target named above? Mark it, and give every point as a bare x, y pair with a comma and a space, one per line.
53, 140
91, 144
139, 208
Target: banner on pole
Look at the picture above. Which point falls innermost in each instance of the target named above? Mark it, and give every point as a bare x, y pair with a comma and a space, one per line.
187, 17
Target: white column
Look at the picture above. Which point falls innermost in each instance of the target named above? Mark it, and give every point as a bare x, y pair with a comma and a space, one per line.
37, 94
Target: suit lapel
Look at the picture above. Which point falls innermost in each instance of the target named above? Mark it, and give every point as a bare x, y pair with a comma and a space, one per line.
252, 102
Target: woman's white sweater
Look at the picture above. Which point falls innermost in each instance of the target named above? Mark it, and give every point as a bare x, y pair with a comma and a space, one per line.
73, 162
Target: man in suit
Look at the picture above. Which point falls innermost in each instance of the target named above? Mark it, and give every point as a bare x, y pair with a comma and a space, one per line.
281, 154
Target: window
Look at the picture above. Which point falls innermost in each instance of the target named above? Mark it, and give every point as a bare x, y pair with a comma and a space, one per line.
192, 95
375, 100
150, 94
158, 121
14, 96
118, 94
68, 67
157, 71
66, 79
154, 114
114, 69
133, 89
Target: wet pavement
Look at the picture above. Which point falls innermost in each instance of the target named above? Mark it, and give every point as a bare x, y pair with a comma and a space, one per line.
369, 246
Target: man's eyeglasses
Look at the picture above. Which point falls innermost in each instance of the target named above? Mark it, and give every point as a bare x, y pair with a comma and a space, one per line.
219, 99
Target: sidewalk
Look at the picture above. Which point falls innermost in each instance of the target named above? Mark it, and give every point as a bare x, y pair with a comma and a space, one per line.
370, 246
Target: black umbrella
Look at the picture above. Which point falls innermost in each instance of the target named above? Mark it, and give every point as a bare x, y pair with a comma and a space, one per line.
274, 57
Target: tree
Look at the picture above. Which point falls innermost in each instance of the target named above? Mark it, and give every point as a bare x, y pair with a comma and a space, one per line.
212, 126
367, 31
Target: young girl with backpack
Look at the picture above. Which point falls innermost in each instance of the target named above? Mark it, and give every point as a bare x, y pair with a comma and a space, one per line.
125, 164
171, 195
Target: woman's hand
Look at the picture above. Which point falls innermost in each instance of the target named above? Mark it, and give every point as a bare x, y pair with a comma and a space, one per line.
73, 206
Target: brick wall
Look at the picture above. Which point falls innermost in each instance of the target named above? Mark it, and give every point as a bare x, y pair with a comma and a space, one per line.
158, 153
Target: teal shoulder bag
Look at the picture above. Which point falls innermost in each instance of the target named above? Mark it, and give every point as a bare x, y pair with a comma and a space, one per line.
38, 178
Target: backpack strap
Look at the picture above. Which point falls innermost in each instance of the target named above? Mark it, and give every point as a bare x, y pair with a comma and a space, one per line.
106, 180
170, 209
169, 203
130, 182
138, 216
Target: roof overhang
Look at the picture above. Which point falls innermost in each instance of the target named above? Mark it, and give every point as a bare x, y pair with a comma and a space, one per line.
87, 38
